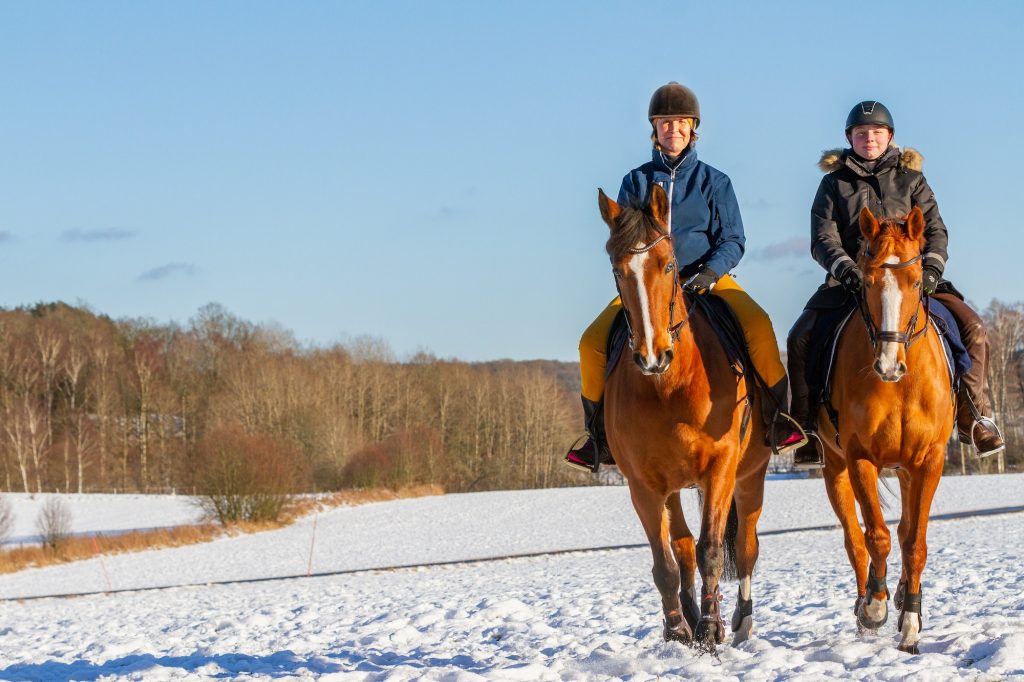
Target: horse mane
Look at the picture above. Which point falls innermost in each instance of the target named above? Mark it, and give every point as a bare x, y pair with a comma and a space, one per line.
631, 227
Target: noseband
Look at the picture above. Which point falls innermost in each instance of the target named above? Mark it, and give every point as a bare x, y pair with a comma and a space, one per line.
905, 337
674, 328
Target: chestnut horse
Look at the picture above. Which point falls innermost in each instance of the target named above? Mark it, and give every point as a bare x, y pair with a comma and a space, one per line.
674, 419
894, 399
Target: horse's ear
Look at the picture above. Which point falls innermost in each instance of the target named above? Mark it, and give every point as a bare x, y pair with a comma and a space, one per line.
915, 223
659, 205
609, 209
869, 226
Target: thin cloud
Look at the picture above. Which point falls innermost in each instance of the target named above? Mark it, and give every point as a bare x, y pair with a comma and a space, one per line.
787, 248
108, 234
169, 270
6, 237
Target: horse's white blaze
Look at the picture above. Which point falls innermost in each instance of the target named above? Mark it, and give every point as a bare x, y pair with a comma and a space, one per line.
892, 301
636, 265
911, 632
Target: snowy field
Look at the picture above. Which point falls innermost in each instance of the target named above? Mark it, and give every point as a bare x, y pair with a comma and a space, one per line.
578, 616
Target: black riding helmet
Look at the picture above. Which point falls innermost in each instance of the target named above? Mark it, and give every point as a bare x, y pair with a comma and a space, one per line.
869, 113
673, 99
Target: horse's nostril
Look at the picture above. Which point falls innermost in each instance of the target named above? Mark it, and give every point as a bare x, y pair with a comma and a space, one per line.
638, 359
668, 358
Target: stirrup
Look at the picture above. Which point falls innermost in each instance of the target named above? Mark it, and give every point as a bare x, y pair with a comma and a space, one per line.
989, 424
813, 439
576, 462
789, 447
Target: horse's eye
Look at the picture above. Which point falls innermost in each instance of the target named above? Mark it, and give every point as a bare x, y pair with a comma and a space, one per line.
917, 285
617, 274
670, 267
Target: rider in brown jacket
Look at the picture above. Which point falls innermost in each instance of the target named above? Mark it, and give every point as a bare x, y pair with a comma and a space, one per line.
875, 173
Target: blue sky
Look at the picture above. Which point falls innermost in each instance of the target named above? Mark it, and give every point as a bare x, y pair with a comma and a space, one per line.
426, 173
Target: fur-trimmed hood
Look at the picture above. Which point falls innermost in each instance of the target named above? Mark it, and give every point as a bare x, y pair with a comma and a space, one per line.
832, 159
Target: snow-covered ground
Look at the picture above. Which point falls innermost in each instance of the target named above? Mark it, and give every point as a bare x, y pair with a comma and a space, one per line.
588, 615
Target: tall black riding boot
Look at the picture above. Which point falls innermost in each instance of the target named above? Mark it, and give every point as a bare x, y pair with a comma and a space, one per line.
973, 408
809, 456
593, 452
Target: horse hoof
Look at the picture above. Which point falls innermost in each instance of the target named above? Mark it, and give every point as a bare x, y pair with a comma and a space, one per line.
911, 649
678, 633
709, 634
866, 621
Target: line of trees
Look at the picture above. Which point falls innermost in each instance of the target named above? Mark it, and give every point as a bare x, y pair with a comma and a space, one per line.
91, 404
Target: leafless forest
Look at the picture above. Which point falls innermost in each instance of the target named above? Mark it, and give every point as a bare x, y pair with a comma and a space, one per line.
93, 404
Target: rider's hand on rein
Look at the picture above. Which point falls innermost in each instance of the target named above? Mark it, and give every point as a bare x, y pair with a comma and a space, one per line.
702, 282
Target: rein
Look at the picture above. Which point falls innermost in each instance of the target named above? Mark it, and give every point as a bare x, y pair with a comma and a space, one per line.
907, 337
674, 328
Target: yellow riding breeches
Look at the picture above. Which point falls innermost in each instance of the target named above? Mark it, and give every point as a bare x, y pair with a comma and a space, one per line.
757, 330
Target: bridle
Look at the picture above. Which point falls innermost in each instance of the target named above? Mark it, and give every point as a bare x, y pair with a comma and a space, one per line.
674, 328
906, 337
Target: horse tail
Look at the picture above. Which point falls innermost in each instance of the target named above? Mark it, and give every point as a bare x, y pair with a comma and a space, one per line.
732, 528
886, 495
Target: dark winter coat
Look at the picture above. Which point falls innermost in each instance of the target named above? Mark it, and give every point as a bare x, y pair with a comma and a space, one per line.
890, 190
703, 212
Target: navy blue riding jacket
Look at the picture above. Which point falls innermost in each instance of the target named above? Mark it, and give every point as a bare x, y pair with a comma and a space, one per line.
703, 212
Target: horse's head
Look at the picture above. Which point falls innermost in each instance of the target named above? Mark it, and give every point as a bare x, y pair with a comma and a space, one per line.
644, 265
891, 300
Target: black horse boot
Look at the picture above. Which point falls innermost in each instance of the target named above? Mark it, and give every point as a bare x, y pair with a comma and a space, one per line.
810, 455
593, 452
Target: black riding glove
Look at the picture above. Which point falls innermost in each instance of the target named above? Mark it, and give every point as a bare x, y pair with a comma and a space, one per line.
702, 282
929, 279
851, 278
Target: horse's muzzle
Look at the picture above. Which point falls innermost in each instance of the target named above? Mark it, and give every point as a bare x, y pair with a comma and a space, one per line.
661, 363
891, 375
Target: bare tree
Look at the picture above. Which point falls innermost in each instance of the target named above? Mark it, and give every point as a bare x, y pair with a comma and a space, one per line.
54, 523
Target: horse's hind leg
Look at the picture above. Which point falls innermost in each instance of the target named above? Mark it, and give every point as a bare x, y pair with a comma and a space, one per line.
914, 546
651, 508
840, 494
685, 550
749, 498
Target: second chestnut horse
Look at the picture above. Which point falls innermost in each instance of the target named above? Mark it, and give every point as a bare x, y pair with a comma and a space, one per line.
894, 399
675, 418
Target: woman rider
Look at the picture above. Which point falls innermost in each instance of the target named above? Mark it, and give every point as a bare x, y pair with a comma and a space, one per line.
708, 239
875, 173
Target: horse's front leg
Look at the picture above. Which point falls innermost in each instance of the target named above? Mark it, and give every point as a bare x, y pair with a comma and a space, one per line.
650, 507
874, 608
844, 504
914, 546
685, 550
718, 493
